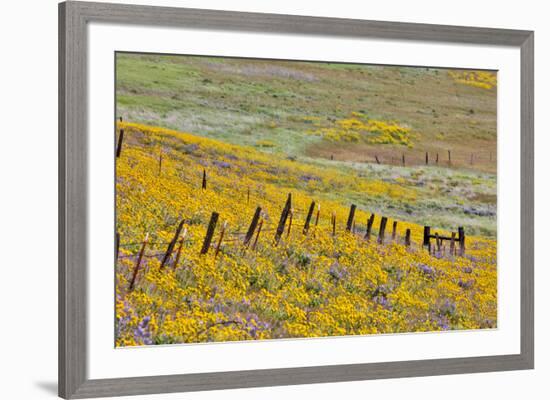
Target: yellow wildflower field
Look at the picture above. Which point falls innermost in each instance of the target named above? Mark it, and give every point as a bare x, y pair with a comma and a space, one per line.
318, 281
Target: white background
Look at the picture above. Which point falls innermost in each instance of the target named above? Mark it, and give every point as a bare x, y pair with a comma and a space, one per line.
29, 199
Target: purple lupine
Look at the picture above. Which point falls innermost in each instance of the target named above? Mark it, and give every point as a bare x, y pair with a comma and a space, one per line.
143, 332
426, 270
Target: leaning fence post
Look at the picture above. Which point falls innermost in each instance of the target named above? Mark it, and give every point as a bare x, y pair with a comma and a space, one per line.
119, 145
138, 262
209, 232
426, 241
369, 226
117, 246
408, 237
376, 158
308, 218
203, 179
351, 215
318, 212
252, 226
282, 220
257, 234
382, 229
289, 222
461, 241
171, 245
178, 254
394, 230
222, 233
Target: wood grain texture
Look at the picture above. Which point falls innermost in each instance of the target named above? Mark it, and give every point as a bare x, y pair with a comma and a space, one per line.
73, 20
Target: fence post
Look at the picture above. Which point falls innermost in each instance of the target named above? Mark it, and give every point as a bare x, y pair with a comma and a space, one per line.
408, 237
333, 224
282, 220
376, 158
351, 215
257, 234
382, 229
117, 246
222, 233
203, 179
403, 159
252, 226
178, 254
426, 158
438, 242
452, 246
426, 241
461, 241
318, 212
449, 151
369, 226
291, 212
171, 245
248, 195
308, 218
394, 230
160, 162
209, 232
119, 145
437, 158
138, 262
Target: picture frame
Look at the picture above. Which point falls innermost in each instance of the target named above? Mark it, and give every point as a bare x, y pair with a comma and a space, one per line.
74, 18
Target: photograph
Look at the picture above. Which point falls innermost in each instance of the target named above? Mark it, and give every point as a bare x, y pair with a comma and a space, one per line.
263, 199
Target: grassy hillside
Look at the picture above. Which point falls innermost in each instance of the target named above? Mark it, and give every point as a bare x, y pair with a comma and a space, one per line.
314, 284
318, 110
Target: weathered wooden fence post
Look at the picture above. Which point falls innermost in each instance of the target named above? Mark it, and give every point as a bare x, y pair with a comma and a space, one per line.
318, 212
172, 244
393, 230
160, 162
308, 217
461, 241
290, 214
138, 262
178, 254
369, 227
426, 240
382, 229
219, 245
117, 246
252, 226
449, 151
203, 179
119, 145
437, 158
282, 220
351, 215
438, 242
408, 237
452, 246
403, 159
376, 158
209, 232
426, 158
257, 234
333, 224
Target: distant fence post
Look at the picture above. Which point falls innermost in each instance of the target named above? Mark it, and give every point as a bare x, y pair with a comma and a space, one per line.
408, 237
290, 214
376, 158
426, 240
171, 245
403, 159
437, 158
333, 224
160, 162
426, 158
369, 227
318, 212
252, 226
351, 215
382, 229
308, 217
119, 145
452, 246
138, 262
248, 195
283, 218
449, 151
203, 179
394, 230
117, 246
461, 241
209, 232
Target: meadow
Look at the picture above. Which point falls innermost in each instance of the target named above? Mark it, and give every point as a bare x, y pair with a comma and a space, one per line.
204, 135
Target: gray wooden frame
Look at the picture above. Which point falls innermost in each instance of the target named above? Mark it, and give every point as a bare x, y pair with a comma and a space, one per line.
73, 172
